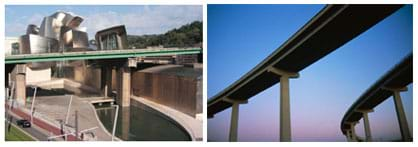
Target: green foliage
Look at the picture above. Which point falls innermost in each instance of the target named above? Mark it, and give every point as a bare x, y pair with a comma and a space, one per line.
15, 134
189, 35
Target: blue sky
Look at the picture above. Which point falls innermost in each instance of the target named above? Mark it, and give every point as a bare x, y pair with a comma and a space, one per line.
241, 36
138, 19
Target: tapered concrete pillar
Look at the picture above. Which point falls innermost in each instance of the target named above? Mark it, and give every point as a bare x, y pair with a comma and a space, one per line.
79, 74
21, 89
367, 127
366, 123
353, 131
403, 123
348, 135
20, 84
233, 130
124, 86
285, 127
106, 74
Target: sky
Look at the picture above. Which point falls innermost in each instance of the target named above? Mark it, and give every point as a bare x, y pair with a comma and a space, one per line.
138, 19
241, 36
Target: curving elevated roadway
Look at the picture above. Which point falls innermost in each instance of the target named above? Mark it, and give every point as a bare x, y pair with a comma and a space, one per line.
388, 85
328, 30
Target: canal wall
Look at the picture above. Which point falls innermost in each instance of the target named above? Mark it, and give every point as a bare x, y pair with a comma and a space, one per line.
194, 127
174, 86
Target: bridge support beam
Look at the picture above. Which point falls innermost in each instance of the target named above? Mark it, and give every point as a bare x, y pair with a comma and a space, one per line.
79, 73
233, 130
107, 80
366, 124
124, 86
20, 84
353, 135
403, 123
285, 127
348, 135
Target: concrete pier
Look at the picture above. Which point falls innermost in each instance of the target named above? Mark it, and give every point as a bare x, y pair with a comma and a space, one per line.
285, 128
403, 124
348, 135
106, 73
79, 73
124, 86
353, 131
20, 84
233, 129
367, 125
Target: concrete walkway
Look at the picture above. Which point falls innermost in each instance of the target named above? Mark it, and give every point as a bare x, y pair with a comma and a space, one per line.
54, 108
193, 126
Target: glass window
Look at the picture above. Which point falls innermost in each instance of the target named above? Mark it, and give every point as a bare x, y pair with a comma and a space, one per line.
109, 42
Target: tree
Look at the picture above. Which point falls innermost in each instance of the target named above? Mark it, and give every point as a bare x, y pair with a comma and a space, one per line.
186, 36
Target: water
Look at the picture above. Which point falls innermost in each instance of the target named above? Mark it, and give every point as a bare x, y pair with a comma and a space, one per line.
141, 123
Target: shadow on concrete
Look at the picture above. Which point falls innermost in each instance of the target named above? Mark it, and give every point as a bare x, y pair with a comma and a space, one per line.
46, 92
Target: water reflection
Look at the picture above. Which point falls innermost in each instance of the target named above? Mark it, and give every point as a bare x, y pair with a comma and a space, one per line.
141, 123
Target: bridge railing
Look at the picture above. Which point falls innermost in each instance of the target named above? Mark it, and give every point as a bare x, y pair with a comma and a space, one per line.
103, 54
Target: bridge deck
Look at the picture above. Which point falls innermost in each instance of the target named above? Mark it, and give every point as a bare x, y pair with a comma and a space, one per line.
105, 54
398, 77
331, 28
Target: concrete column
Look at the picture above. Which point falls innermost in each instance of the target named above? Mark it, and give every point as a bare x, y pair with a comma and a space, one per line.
106, 82
367, 126
348, 135
285, 127
403, 124
20, 79
113, 79
366, 123
353, 132
21, 88
233, 130
124, 86
79, 74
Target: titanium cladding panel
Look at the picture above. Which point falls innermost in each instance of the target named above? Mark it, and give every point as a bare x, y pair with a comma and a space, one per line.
58, 32
35, 44
75, 39
50, 28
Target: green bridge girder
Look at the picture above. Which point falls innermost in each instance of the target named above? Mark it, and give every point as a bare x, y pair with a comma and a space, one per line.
105, 54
